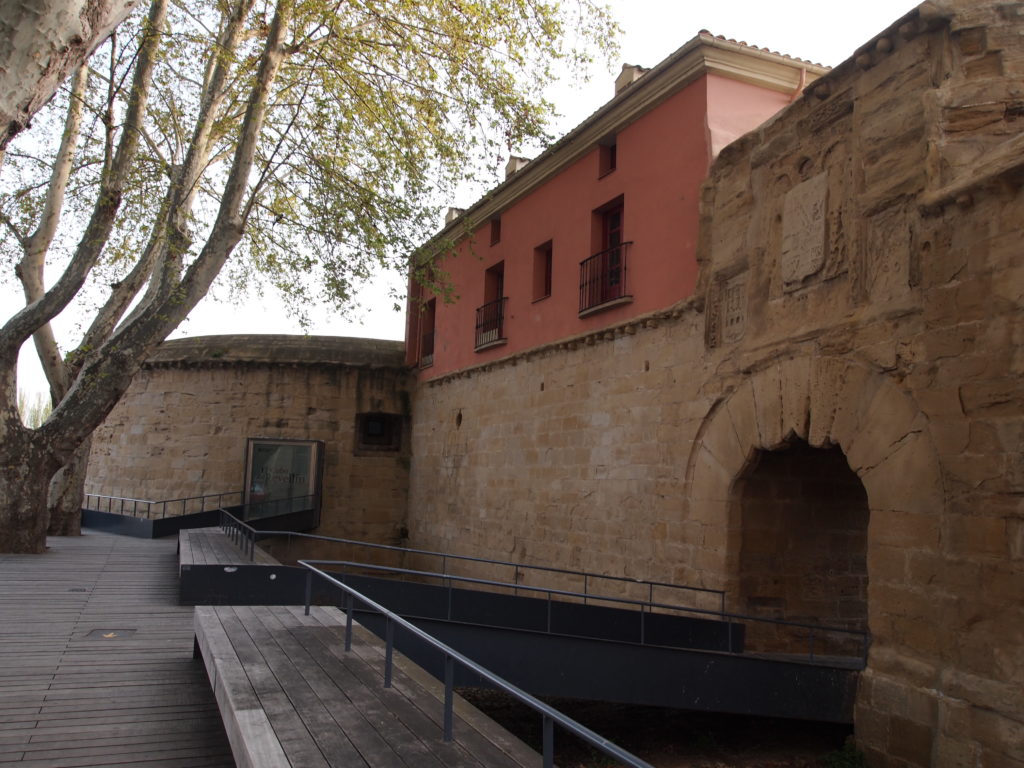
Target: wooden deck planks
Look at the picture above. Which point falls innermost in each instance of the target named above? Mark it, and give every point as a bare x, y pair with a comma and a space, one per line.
327, 707
70, 696
211, 546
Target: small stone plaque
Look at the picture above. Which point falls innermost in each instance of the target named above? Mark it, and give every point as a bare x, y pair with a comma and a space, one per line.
734, 309
804, 230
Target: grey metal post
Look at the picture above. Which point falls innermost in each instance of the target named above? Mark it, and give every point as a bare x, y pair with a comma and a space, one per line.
349, 608
309, 590
449, 696
389, 651
549, 742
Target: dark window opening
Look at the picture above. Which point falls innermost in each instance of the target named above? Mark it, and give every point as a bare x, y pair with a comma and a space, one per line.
542, 271
490, 318
427, 337
607, 157
494, 282
803, 548
603, 275
378, 432
495, 230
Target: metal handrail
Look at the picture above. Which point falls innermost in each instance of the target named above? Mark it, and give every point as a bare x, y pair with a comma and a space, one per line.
550, 715
245, 536
550, 592
122, 501
446, 557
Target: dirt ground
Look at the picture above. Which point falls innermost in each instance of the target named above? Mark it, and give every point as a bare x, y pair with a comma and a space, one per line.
669, 738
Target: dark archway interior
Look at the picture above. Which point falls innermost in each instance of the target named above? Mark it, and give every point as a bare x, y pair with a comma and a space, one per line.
803, 554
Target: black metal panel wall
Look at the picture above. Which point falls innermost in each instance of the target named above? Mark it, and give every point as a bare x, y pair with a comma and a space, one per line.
547, 665
410, 599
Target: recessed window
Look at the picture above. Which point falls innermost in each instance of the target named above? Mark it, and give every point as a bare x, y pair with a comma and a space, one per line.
427, 336
542, 271
495, 230
378, 432
490, 318
607, 156
603, 275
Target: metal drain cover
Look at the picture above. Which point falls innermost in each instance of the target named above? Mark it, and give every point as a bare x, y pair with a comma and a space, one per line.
110, 634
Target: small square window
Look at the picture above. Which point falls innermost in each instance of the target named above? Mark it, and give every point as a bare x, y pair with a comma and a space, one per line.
495, 230
378, 432
608, 157
542, 271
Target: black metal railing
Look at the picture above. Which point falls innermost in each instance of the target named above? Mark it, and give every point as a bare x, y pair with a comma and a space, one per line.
157, 510
490, 322
603, 277
550, 716
820, 639
816, 635
647, 590
427, 349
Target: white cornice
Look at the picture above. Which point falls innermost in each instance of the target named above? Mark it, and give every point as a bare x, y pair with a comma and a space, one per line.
704, 54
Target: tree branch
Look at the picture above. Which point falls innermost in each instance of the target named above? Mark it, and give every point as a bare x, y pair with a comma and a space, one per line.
49, 305
116, 362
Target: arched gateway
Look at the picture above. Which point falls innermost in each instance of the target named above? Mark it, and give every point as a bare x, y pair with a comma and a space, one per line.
807, 471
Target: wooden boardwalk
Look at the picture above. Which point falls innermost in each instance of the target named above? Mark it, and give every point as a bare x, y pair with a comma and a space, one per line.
291, 695
211, 546
96, 664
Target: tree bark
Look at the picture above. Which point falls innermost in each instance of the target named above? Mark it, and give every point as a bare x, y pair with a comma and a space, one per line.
41, 42
24, 480
67, 494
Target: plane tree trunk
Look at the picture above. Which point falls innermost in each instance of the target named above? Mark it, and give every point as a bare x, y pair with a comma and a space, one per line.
41, 43
24, 478
67, 494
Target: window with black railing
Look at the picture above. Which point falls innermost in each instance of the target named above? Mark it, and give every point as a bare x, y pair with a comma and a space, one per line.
490, 323
603, 277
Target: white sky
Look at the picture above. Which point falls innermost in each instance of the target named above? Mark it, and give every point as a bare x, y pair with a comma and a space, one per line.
821, 32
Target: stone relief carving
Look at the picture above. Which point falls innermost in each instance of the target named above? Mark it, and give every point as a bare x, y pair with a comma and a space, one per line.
726, 313
804, 231
734, 309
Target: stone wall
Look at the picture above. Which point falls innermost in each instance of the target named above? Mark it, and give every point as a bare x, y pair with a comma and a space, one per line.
181, 428
861, 287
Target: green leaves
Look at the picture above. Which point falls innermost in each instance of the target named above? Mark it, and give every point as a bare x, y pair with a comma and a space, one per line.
380, 110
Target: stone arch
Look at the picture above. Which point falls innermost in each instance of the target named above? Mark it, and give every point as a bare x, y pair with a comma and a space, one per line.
826, 401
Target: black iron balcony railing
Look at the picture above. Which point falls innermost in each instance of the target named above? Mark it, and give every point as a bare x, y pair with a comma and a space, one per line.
490, 323
603, 277
427, 349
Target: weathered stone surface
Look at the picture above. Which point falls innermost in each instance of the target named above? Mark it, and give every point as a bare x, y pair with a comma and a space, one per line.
879, 231
871, 238
181, 428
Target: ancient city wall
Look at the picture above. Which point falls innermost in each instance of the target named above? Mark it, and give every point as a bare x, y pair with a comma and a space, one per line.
181, 428
860, 297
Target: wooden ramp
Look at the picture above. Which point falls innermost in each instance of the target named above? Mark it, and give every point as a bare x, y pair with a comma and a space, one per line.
291, 695
96, 665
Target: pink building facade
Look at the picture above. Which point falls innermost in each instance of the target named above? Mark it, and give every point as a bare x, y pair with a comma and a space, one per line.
603, 226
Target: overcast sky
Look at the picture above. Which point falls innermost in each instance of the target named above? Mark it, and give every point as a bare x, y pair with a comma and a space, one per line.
822, 32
